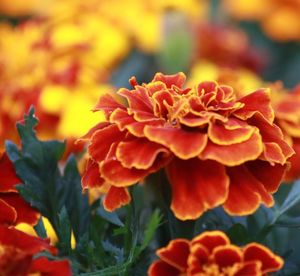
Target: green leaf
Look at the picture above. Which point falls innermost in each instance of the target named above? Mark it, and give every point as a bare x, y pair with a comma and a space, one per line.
40, 229
153, 224
238, 234
111, 217
64, 231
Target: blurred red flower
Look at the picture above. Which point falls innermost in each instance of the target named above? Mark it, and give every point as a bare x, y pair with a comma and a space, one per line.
13, 208
16, 255
216, 149
211, 253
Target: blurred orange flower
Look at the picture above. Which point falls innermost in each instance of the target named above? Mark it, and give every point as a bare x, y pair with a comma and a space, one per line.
211, 253
279, 18
13, 208
16, 255
216, 149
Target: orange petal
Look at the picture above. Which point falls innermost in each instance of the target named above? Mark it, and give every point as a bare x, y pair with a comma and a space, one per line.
245, 192
234, 154
177, 79
229, 133
256, 102
137, 99
115, 174
102, 140
25, 213
162, 100
91, 132
270, 261
227, 256
269, 176
196, 186
8, 214
139, 153
211, 240
184, 144
91, 177
116, 198
176, 253
160, 268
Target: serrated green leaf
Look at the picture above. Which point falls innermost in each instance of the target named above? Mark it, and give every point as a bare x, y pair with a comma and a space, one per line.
64, 231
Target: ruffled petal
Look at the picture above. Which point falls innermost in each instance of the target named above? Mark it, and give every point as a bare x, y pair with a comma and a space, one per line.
8, 177
169, 80
115, 198
160, 268
25, 213
176, 253
184, 144
234, 154
211, 240
102, 140
227, 256
198, 257
91, 176
258, 252
44, 266
256, 102
139, 153
245, 192
249, 268
196, 186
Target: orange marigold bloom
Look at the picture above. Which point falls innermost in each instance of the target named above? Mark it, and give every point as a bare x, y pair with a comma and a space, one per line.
216, 149
211, 253
16, 255
13, 208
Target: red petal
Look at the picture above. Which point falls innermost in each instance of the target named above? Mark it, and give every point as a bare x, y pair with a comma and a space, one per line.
196, 186
50, 268
227, 256
170, 80
29, 244
235, 154
91, 177
232, 132
163, 100
137, 99
245, 192
256, 102
211, 240
269, 176
175, 253
160, 268
139, 153
25, 213
258, 252
184, 144
91, 132
115, 174
116, 198
108, 104
8, 214
249, 268
102, 141
8, 177
294, 172
198, 257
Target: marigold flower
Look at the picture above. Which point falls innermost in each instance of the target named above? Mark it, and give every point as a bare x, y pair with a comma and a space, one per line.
13, 208
215, 149
16, 255
211, 253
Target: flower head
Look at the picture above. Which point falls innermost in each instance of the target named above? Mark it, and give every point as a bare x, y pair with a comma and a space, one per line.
14, 209
211, 253
216, 149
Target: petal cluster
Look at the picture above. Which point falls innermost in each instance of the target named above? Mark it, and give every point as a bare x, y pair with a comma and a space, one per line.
17, 250
215, 149
13, 208
211, 253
